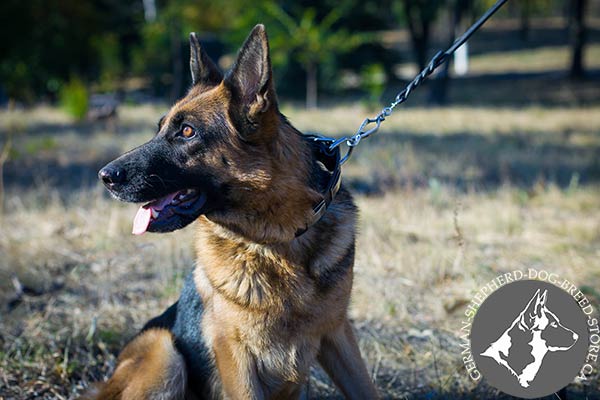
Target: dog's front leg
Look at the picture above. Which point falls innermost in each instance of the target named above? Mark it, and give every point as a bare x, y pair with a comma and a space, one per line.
237, 372
340, 358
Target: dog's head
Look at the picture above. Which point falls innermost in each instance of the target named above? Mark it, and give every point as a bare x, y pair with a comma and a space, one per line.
537, 317
223, 150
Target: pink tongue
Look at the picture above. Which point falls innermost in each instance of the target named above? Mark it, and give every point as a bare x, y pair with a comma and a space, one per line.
141, 221
144, 214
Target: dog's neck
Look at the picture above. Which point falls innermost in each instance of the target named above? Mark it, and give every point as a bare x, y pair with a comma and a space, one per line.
252, 275
274, 211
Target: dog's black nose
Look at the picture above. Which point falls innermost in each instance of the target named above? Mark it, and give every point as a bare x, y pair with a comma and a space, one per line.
111, 175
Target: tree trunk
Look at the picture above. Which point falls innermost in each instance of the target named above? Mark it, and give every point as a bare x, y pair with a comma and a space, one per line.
439, 89
177, 57
311, 85
525, 12
419, 26
4, 154
578, 36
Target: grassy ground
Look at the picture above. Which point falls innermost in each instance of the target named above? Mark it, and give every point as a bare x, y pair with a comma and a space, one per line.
449, 198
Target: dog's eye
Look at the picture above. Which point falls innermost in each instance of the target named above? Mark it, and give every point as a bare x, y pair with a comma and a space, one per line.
187, 131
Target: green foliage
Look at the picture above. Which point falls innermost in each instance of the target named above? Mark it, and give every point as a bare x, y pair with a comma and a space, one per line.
15, 76
373, 80
160, 52
47, 41
311, 36
104, 41
73, 98
36, 145
310, 41
202, 15
152, 57
108, 48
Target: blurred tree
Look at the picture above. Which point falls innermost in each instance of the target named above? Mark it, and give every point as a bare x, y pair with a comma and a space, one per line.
578, 33
108, 50
74, 98
359, 21
5, 151
372, 16
373, 80
419, 16
151, 58
525, 11
457, 9
165, 35
37, 37
44, 42
311, 41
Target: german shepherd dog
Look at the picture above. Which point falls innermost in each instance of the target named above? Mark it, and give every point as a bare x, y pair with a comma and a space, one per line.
265, 300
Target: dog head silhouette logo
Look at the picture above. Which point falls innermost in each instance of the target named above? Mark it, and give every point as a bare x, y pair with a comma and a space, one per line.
545, 332
528, 337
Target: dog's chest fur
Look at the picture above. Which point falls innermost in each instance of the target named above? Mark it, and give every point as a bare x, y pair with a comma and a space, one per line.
273, 304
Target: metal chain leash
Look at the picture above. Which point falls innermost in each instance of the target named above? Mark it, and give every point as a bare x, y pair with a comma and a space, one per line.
371, 125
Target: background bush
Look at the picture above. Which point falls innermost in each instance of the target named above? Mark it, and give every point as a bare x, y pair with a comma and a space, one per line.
74, 98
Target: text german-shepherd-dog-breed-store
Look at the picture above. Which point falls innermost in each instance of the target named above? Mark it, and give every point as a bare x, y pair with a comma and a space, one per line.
275, 242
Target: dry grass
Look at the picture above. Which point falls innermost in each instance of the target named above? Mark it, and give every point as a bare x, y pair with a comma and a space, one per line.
550, 58
447, 120
427, 241
537, 60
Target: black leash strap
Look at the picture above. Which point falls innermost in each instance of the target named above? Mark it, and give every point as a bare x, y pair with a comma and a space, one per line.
329, 148
371, 125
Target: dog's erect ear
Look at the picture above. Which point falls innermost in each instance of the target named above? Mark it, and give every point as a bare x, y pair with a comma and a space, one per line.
250, 79
203, 69
530, 312
540, 303
535, 307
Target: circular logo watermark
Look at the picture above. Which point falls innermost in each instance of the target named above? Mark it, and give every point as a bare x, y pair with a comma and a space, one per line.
529, 334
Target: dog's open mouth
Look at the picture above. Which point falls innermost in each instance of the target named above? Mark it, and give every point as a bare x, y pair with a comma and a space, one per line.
169, 212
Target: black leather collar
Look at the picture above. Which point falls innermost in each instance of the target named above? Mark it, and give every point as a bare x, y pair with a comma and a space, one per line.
330, 158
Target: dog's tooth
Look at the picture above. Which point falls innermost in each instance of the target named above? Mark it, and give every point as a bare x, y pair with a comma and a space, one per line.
154, 213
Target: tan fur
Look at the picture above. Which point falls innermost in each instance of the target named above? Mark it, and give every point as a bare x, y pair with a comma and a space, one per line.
149, 368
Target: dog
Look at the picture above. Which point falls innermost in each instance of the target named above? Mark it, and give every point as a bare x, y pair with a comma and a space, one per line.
275, 243
539, 332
